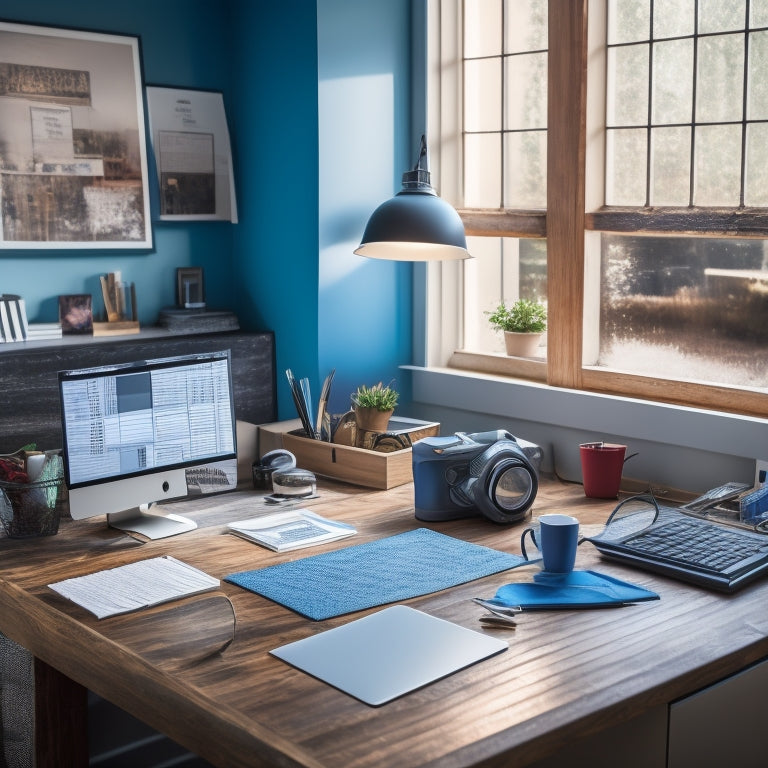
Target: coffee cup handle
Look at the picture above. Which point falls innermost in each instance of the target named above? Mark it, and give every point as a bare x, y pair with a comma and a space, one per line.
532, 531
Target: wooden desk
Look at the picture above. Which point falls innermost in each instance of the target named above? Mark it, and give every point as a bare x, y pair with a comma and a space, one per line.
566, 676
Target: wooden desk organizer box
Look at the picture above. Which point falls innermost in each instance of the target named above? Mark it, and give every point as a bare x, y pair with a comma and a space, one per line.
372, 469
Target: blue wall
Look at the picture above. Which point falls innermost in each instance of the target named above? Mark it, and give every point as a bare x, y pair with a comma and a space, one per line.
316, 94
275, 128
364, 75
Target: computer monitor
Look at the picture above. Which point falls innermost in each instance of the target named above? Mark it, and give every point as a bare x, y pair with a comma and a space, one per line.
131, 431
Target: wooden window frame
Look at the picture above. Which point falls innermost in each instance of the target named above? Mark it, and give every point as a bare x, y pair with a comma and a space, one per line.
565, 224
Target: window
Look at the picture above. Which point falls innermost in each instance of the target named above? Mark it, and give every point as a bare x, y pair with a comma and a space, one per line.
635, 204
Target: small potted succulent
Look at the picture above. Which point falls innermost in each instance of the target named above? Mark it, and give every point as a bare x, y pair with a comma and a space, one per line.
523, 324
373, 406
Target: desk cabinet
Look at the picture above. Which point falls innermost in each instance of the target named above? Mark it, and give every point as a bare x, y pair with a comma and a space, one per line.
638, 743
720, 725
723, 724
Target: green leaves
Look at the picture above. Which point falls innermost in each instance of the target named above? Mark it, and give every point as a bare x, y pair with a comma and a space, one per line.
523, 316
379, 397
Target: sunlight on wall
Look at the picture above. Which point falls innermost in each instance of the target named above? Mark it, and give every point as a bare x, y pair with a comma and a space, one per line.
356, 161
362, 306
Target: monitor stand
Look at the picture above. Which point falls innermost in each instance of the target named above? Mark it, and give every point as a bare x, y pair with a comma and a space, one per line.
150, 524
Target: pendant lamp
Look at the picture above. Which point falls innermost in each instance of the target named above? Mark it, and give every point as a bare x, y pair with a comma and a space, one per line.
415, 225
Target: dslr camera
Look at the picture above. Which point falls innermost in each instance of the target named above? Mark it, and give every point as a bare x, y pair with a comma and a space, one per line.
485, 473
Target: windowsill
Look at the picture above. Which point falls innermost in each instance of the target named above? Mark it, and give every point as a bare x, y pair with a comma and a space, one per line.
590, 413
534, 369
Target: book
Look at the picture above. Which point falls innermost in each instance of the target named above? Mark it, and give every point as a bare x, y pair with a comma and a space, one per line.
13, 318
135, 585
37, 331
294, 529
179, 320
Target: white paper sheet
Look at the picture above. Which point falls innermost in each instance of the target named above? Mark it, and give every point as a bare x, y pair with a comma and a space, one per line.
135, 585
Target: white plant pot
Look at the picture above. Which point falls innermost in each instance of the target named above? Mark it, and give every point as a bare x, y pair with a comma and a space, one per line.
522, 344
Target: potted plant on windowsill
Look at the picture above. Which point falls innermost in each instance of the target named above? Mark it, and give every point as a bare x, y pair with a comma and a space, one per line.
373, 406
523, 324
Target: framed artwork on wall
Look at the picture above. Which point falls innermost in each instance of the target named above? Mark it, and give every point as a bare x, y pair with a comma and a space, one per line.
193, 157
73, 156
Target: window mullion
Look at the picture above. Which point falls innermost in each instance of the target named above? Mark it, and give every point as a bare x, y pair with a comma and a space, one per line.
566, 108
742, 182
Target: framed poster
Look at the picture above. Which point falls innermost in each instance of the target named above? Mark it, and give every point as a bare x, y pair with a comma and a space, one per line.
190, 141
73, 156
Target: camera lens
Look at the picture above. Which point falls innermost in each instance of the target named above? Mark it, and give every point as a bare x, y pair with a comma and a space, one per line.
511, 486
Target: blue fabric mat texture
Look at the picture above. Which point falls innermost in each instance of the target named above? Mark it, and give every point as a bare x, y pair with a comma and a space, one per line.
375, 573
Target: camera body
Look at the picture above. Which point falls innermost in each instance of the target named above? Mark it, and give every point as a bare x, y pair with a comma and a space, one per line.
483, 473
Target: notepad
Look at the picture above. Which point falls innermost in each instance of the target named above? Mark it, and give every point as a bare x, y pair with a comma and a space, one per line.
389, 653
135, 585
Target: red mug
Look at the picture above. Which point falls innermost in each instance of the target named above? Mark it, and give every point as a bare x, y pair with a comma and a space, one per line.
601, 468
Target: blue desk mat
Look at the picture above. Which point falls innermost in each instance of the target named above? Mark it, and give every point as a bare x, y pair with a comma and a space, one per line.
375, 573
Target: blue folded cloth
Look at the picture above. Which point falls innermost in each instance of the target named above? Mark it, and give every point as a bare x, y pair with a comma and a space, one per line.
578, 589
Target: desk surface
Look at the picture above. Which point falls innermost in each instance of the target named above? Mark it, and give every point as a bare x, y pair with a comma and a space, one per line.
566, 675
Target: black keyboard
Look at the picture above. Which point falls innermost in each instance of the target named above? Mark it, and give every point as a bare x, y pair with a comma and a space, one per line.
694, 550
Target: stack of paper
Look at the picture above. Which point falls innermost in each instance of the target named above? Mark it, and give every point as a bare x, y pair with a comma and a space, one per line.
134, 586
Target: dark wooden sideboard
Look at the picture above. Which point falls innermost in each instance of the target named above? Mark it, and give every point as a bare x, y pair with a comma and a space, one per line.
29, 395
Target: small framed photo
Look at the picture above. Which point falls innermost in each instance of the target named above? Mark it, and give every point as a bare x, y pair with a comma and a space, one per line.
76, 313
190, 292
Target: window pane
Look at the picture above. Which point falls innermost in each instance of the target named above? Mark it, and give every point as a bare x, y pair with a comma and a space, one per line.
504, 269
627, 88
670, 166
672, 18
718, 165
757, 94
720, 86
758, 12
626, 167
482, 95
481, 19
525, 25
482, 290
719, 16
628, 21
688, 308
756, 184
525, 170
482, 170
525, 81
673, 82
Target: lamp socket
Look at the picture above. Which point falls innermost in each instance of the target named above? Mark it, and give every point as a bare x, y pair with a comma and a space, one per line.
761, 470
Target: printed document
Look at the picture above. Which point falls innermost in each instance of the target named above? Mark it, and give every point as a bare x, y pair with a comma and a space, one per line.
294, 529
135, 586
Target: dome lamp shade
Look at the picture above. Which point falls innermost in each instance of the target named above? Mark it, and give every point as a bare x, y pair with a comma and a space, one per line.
415, 225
